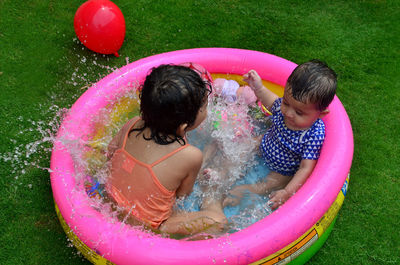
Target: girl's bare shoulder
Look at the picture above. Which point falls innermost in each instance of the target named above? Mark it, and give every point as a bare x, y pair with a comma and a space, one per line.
191, 155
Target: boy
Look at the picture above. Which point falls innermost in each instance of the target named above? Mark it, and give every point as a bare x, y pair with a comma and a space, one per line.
291, 146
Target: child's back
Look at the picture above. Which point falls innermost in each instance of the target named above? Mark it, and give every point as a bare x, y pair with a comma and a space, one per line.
145, 176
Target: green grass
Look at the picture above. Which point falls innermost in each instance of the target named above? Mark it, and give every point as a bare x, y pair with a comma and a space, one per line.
40, 60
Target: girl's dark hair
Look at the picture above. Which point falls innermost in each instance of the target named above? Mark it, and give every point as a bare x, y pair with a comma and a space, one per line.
313, 82
171, 96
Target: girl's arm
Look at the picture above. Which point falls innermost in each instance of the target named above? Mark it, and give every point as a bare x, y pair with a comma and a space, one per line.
263, 94
279, 197
116, 142
195, 159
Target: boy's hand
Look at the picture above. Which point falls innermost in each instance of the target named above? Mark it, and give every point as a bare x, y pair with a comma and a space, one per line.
253, 79
277, 198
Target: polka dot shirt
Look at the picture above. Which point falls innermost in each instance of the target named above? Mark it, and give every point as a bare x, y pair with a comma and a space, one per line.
283, 149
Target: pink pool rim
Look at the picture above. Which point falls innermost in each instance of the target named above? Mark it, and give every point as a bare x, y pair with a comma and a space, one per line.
122, 244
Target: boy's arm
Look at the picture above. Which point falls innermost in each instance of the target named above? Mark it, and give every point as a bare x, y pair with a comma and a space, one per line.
266, 96
279, 197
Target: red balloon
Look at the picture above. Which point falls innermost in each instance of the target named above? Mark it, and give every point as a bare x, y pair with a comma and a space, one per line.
100, 26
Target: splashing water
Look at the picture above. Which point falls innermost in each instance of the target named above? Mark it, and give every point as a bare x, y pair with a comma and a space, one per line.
34, 154
19, 155
233, 128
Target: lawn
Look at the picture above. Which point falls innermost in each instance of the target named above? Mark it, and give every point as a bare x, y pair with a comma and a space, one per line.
44, 69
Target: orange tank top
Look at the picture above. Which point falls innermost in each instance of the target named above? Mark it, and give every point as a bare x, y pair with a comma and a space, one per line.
134, 186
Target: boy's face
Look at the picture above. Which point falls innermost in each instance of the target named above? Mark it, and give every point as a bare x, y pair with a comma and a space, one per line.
299, 115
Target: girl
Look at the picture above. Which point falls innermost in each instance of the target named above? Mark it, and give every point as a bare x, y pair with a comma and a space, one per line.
151, 162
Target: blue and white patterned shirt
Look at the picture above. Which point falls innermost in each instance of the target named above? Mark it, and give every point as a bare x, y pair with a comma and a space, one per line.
283, 149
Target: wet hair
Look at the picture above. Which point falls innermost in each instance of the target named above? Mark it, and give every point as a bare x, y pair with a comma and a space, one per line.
171, 95
313, 82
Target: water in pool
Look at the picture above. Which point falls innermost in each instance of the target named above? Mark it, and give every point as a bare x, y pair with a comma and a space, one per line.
230, 131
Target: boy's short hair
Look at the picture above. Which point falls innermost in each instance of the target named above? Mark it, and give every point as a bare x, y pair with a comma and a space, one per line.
313, 82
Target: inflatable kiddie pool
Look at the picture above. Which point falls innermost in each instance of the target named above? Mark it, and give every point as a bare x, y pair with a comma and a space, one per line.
293, 233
